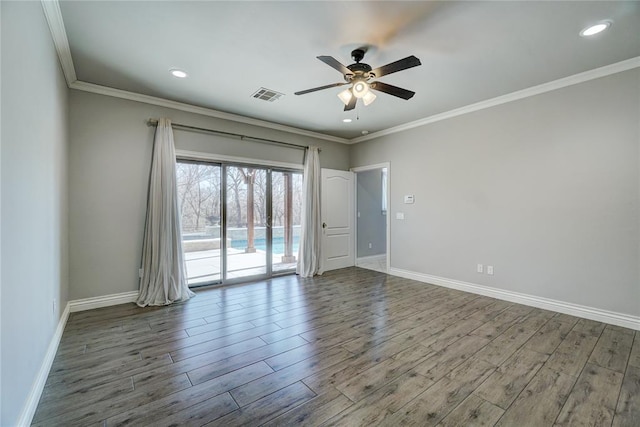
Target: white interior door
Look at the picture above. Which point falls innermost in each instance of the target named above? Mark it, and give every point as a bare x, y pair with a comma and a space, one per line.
337, 211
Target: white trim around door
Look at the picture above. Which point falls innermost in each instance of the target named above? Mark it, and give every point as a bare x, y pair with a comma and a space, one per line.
355, 193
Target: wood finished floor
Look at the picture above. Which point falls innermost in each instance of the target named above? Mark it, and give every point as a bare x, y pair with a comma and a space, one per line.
353, 347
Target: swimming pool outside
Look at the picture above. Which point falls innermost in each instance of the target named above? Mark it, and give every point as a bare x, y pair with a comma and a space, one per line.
278, 244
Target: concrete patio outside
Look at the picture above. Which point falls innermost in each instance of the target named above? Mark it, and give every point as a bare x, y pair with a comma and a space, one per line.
204, 266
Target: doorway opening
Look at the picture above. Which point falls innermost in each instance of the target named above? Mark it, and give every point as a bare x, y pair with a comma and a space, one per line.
372, 219
239, 222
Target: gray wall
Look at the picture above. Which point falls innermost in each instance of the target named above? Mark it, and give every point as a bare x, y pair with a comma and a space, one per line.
545, 189
109, 171
34, 199
372, 224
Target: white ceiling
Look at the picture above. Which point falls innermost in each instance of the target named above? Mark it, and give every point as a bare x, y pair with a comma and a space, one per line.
470, 52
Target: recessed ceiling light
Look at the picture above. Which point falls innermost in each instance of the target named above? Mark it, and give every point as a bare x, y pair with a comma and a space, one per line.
592, 30
347, 120
178, 73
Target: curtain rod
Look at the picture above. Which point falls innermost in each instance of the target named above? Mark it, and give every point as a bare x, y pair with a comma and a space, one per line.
154, 122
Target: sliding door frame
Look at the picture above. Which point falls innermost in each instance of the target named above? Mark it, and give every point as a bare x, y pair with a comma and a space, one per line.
222, 208
227, 161
223, 224
267, 274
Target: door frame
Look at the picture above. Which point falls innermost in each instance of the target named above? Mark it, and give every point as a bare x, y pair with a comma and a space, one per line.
388, 220
224, 161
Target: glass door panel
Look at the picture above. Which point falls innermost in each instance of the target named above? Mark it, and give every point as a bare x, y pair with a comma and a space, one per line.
199, 196
286, 189
246, 222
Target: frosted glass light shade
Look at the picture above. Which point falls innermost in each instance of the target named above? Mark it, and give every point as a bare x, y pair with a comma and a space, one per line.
345, 96
360, 89
368, 98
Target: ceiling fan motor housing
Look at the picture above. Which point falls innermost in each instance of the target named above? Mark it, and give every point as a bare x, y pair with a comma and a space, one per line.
361, 71
359, 68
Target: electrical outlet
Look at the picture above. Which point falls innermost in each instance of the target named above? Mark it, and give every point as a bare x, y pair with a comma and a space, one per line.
480, 268
399, 215
490, 270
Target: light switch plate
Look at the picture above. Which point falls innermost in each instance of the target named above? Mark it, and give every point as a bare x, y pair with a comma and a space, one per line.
399, 215
409, 199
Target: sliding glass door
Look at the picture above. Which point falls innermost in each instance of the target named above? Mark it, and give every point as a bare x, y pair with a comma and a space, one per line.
238, 221
286, 189
246, 222
199, 193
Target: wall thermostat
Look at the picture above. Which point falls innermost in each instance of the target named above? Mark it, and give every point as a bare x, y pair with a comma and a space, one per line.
408, 199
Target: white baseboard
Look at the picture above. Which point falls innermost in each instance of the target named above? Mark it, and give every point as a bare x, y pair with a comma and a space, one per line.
103, 301
371, 258
592, 313
29, 409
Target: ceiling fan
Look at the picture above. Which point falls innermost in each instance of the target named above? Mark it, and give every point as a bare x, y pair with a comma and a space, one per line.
360, 76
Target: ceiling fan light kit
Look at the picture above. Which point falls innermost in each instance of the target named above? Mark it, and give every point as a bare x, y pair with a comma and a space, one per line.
361, 78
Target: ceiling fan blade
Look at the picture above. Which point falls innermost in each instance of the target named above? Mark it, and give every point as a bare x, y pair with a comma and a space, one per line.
392, 90
399, 65
302, 92
334, 63
352, 104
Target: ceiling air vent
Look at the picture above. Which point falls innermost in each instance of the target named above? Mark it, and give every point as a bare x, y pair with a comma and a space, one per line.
267, 94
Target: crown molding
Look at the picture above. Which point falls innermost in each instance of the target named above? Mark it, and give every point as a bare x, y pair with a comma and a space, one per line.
596, 73
59, 35
161, 102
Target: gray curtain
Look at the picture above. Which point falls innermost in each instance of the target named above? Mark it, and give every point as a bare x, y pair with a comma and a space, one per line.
163, 270
311, 229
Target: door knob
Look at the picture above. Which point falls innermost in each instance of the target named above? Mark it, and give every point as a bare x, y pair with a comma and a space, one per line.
324, 225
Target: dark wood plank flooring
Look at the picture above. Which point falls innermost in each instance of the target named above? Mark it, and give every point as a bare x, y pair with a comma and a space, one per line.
350, 348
